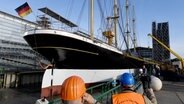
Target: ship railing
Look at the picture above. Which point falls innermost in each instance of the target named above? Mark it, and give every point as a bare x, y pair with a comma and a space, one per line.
82, 33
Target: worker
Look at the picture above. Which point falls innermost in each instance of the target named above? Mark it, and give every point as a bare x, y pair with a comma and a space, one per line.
129, 96
144, 77
140, 72
73, 91
157, 68
145, 70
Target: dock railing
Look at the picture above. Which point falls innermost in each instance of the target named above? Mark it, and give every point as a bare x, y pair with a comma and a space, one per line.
102, 92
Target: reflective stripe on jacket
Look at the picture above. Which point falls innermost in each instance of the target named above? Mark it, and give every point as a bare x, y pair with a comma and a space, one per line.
128, 98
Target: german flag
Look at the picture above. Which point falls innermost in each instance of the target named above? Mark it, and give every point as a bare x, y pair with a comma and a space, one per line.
23, 10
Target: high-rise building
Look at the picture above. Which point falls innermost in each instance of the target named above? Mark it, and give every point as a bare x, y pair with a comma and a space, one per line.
161, 32
15, 53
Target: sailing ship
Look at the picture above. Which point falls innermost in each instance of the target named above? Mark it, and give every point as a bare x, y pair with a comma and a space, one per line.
77, 53
78, 50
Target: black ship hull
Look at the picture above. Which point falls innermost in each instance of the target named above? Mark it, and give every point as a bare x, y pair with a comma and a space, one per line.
78, 52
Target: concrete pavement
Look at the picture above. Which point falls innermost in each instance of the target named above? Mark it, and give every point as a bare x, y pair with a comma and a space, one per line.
171, 93
18, 96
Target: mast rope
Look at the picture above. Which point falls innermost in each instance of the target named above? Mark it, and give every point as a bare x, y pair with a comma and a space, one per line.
81, 13
124, 38
101, 12
120, 24
70, 8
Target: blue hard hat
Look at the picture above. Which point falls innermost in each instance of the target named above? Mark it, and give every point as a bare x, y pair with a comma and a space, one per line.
127, 79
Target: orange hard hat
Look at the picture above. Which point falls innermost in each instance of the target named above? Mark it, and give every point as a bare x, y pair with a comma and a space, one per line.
73, 88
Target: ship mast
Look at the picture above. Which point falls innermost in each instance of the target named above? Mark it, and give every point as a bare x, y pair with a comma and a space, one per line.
109, 34
115, 21
127, 24
92, 19
134, 34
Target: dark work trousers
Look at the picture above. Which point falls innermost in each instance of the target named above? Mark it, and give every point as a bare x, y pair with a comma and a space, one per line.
145, 79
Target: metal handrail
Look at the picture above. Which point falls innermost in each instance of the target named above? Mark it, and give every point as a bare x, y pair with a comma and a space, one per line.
105, 95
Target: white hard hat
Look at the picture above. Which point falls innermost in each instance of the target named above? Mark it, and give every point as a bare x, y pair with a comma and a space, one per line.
140, 70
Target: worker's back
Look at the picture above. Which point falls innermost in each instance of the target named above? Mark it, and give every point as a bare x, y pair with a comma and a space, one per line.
129, 97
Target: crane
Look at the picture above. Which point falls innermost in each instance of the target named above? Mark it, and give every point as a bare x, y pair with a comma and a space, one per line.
174, 53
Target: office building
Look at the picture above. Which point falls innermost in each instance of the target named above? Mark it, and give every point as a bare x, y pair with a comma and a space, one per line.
161, 32
15, 53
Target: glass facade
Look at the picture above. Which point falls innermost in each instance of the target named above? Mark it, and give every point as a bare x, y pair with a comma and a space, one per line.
161, 32
15, 53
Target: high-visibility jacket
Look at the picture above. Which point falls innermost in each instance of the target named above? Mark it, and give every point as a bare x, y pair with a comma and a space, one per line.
128, 98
